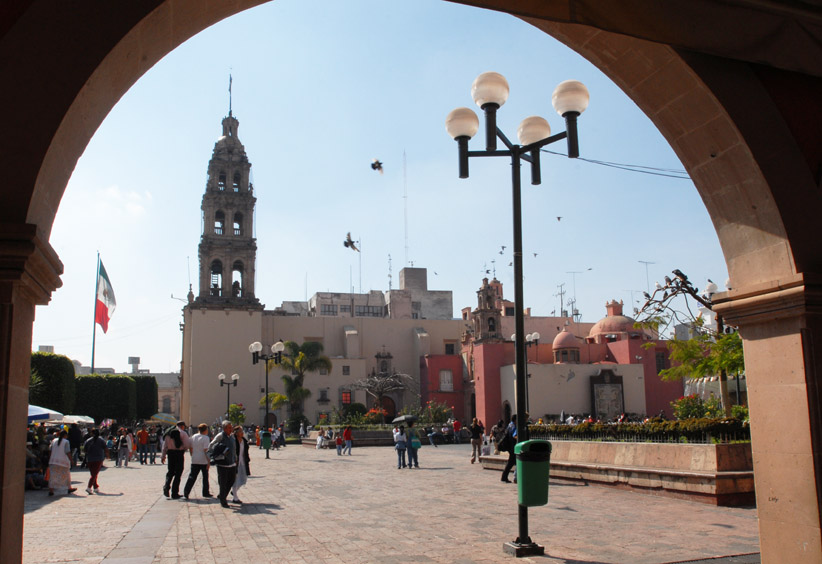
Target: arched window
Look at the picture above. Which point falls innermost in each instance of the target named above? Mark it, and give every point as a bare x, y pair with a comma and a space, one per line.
492, 327
238, 224
235, 185
221, 182
237, 280
166, 404
219, 223
216, 278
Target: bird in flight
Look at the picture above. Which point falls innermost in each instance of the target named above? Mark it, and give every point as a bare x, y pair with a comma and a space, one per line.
377, 165
559, 217
535, 254
349, 242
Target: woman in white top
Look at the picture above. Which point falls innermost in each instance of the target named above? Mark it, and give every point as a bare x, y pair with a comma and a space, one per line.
243, 460
400, 444
60, 465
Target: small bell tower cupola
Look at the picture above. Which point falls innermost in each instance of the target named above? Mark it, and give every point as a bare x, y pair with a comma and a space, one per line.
228, 249
486, 318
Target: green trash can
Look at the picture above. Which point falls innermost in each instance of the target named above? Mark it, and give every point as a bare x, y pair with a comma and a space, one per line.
533, 468
266, 438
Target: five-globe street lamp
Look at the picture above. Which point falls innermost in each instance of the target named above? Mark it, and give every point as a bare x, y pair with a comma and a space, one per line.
276, 355
490, 91
225, 381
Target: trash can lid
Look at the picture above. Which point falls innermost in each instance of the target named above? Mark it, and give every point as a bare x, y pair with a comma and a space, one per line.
535, 450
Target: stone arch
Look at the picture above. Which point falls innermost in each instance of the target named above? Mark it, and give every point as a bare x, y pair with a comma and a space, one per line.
735, 125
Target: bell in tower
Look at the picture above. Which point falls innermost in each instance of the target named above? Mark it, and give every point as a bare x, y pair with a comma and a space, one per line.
228, 250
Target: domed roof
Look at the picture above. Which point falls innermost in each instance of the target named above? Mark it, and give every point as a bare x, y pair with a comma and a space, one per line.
613, 324
565, 340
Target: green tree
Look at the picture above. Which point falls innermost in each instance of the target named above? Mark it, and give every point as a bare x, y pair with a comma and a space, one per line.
236, 414
300, 360
707, 352
275, 400
146, 395
57, 375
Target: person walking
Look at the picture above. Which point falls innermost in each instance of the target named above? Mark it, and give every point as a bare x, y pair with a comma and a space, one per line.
507, 445
199, 461
400, 444
75, 437
142, 444
243, 464
96, 452
123, 447
60, 464
222, 452
348, 437
414, 445
477, 431
153, 444
175, 444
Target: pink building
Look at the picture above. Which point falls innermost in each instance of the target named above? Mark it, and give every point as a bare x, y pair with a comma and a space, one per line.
572, 368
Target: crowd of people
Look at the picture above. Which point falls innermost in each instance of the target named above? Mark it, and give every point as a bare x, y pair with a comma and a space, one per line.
51, 453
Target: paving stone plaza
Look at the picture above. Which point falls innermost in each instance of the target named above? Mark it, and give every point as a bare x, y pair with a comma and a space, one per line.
305, 505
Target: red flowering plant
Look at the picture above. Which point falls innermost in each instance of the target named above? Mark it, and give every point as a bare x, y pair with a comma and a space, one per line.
376, 415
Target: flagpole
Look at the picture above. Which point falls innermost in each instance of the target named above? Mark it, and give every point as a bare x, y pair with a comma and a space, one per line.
94, 332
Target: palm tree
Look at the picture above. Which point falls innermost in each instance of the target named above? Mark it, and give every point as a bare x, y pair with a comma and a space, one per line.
300, 359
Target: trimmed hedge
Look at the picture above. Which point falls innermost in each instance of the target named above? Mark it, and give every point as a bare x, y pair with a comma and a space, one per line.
146, 395
57, 374
653, 430
107, 396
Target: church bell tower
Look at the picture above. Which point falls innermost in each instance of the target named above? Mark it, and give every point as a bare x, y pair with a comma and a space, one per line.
228, 249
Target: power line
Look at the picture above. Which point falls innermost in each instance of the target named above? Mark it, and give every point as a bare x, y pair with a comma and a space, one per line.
654, 171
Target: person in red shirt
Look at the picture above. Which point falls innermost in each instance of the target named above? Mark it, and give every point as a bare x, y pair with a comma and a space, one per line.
142, 444
348, 438
457, 427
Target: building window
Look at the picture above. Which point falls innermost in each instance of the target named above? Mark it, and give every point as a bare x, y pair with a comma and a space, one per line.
216, 278
346, 370
237, 280
238, 224
415, 315
323, 372
221, 182
219, 223
323, 395
345, 397
446, 381
345, 309
450, 348
660, 361
492, 327
166, 404
368, 311
328, 309
236, 184
509, 312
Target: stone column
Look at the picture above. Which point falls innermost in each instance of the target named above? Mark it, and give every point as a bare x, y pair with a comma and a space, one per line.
29, 273
781, 327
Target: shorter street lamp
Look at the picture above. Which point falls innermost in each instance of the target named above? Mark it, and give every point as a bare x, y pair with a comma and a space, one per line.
232, 382
276, 355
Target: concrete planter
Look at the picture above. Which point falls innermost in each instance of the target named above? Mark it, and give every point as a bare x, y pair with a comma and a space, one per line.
717, 474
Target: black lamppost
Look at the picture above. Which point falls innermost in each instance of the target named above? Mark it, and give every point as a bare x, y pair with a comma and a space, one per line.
490, 91
224, 381
277, 356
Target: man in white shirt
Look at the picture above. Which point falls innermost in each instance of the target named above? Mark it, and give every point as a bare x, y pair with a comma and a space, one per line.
199, 461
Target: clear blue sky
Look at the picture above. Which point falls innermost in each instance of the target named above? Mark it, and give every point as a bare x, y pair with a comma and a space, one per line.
321, 89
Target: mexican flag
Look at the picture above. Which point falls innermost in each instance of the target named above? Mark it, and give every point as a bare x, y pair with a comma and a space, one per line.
105, 299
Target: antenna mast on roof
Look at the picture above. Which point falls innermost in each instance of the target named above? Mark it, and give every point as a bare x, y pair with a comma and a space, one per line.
405, 202
389, 273
229, 93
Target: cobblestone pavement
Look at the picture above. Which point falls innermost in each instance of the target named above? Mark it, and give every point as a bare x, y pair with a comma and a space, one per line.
305, 505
